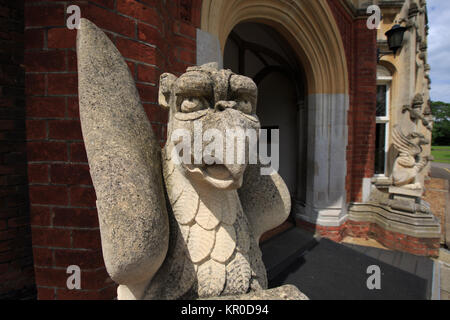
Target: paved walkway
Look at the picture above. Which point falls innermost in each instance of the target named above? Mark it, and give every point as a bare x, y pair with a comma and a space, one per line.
440, 170
325, 270
443, 269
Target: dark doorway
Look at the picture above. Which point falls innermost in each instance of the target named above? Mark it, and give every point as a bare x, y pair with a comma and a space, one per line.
261, 53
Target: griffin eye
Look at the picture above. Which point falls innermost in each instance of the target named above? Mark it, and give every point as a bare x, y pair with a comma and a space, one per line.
192, 104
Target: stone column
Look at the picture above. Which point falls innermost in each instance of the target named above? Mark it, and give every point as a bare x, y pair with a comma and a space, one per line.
326, 160
300, 196
208, 49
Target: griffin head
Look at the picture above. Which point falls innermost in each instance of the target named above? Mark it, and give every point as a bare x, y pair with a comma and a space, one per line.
408, 145
212, 109
418, 139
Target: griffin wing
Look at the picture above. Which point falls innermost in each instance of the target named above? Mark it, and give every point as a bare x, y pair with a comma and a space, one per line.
124, 159
403, 144
265, 200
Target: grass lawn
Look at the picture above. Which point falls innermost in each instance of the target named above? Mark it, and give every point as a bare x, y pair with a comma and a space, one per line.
441, 154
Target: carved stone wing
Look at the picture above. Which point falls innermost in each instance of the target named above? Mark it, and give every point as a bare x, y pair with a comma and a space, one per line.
265, 200
124, 159
403, 144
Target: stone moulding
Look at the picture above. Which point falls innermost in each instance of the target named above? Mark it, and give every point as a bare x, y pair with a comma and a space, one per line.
298, 20
416, 225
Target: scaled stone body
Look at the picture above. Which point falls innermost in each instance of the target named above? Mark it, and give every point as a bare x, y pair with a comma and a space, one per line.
204, 242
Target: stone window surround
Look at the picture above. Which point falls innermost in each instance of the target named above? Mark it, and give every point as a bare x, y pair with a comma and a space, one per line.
387, 81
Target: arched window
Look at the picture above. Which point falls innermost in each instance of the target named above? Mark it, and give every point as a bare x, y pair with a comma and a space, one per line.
384, 80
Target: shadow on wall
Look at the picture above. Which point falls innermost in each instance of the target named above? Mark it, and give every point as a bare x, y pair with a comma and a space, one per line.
16, 259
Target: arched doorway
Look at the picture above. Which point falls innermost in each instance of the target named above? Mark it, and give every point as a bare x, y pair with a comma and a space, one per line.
260, 52
312, 33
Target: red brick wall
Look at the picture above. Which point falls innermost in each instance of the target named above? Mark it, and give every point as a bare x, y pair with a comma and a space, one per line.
16, 261
366, 230
360, 48
363, 108
345, 24
153, 37
394, 240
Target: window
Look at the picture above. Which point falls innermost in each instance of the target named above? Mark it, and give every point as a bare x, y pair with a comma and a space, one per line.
384, 80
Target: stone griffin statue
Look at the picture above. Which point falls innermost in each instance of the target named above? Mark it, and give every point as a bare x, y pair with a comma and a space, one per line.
409, 163
168, 230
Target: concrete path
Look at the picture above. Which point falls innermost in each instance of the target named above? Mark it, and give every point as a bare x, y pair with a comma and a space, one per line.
444, 272
440, 170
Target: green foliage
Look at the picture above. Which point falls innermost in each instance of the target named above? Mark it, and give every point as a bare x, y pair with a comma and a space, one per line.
441, 129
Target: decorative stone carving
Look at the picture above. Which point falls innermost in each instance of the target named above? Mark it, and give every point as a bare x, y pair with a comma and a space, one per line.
204, 242
407, 200
413, 10
409, 163
415, 111
287, 292
417, 101
428, 114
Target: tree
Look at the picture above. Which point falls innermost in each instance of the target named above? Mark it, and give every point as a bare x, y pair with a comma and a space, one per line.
441, 128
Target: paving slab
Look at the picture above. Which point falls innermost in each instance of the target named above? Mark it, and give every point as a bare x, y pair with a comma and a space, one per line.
387, 257
445, 278
445, 295
408, 263
444, 256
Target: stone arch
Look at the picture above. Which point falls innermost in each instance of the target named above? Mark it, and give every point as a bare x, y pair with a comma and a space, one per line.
309, 26
311, 30
389, 66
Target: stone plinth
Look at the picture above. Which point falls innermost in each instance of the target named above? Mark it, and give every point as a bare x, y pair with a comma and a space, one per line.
407, 200
417, 233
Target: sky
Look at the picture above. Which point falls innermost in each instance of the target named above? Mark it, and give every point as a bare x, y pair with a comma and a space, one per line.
439, 49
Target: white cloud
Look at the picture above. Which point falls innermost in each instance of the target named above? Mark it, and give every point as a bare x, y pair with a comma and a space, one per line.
439, 48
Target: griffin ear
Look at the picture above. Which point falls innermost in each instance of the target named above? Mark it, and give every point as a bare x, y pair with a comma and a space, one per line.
165, 89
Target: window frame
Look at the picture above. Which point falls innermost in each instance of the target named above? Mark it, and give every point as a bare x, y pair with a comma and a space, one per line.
385, 81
